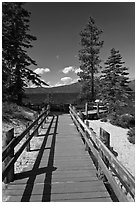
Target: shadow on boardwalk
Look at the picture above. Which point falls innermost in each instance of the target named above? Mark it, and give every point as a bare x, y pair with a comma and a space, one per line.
63, 170
36, 170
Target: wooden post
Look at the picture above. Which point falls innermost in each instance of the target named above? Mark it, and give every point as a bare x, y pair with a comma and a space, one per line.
87, 135
81, 115
86, 110
105, 138
87, 123
10, 176
27, 136
98, 110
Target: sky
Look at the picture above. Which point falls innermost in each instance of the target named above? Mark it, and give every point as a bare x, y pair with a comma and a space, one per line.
57, 26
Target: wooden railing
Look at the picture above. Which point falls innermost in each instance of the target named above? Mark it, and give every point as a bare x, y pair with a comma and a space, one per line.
8, 156
114, 173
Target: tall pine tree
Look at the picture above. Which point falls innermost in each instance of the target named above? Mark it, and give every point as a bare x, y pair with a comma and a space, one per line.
89, 58
114, 82
16, 40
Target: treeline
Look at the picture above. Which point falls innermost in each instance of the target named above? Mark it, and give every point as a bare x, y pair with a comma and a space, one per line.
16, 39
111, 86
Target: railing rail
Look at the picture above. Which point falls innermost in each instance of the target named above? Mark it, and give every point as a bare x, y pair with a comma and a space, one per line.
120, 179
15, 141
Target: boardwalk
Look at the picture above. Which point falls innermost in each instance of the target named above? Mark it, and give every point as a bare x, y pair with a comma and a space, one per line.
63, 171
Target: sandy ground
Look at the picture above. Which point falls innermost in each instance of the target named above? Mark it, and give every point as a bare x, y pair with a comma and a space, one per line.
119, 141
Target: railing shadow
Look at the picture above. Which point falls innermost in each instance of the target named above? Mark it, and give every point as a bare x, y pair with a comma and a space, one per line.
47, 170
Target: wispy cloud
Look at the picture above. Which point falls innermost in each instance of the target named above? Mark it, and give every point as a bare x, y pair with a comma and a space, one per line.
41, 70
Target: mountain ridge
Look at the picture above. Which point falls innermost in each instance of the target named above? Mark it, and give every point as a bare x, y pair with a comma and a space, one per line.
71, 88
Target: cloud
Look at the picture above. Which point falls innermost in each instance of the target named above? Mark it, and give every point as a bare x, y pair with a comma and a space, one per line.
66, 70
77, 70
58, 84
66, 81
41, 70
74, 80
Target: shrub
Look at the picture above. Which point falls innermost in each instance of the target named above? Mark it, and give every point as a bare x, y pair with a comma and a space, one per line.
131, 135
126, 121
104, 119
10, 108
114, 119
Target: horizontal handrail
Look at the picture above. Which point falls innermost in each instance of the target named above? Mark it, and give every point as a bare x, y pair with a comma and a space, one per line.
14, 142
93, 141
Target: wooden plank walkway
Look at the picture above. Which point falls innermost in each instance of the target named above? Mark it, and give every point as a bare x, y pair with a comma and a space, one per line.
63, 171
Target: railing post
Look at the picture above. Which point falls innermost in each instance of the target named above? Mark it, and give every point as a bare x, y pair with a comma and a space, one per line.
105, 138
27, 136
10, 176
86, 110
98, 110
87, 135
81, 115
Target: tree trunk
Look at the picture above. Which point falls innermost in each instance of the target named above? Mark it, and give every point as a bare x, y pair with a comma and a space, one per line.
92, 85
19, 99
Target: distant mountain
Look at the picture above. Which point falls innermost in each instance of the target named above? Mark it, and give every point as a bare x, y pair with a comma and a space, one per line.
72, 88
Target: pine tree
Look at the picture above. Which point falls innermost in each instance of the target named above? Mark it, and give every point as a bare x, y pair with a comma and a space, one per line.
89, 58
114, 82
16, 40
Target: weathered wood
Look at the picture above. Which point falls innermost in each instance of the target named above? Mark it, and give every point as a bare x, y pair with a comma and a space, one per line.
120, 195
87, 148
10, 175
86, 110
126, 179
98, 110
63, 173
18, 153
14, 141
105, 138
81, 115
